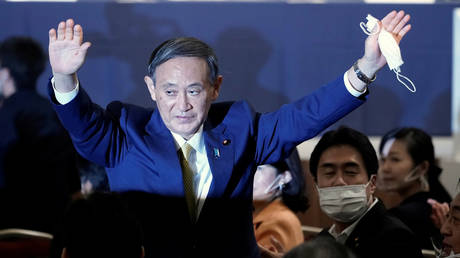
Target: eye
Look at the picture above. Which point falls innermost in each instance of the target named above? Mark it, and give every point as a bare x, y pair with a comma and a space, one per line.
351, 172
170, 92
194, 92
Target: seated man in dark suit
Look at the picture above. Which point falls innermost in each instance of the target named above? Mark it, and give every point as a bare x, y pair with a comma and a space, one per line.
344, 164
450, 230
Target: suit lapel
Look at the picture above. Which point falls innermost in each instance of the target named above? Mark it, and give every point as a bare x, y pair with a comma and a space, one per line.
161, 146
220, 151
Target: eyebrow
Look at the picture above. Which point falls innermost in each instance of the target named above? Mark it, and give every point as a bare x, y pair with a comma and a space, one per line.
347, 164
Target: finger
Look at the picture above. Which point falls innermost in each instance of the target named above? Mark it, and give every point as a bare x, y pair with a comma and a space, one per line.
404, 30
445, 208
69, 29
387, 19
61, 31
78, 34
401, 24
52, 35
391, 26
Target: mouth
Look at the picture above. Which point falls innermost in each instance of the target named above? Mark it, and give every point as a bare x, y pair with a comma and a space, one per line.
185, 119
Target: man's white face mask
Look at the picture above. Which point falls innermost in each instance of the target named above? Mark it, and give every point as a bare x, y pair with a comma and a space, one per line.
344, 203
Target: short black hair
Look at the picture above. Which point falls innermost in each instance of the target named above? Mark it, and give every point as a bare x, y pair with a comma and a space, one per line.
24, 58
350, 137
101, 226
184, 47
320, 247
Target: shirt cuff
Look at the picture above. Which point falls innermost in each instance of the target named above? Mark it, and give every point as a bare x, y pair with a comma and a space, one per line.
66, 97
350, 88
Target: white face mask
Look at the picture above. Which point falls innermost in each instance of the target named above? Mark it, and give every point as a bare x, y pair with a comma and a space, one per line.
412, 176
343, 203
266, 184
389, 48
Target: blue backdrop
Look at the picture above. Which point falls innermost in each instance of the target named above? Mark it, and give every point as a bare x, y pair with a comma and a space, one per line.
270, 53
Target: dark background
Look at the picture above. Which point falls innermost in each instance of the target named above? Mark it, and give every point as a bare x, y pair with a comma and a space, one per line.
270, 53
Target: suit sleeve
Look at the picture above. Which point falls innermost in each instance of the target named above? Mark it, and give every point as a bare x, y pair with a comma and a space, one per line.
97, 134
280, 131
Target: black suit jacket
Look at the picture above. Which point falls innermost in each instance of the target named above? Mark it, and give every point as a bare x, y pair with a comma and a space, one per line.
415, 213
378, 234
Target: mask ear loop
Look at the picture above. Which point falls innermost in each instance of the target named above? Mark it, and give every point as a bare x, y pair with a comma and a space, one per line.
366, 31
398, 75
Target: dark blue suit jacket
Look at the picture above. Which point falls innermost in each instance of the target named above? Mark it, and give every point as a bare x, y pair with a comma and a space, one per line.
139, 153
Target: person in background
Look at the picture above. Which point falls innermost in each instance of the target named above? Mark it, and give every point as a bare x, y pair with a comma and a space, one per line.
406, 162
279, 193
450, 229
38, 171
343, 165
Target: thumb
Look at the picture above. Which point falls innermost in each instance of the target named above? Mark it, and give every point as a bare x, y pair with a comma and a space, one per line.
84, 47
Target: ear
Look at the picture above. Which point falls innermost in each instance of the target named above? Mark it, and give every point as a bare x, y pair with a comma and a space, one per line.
424, 166
150, 86
216, 87
64, 253
372, 183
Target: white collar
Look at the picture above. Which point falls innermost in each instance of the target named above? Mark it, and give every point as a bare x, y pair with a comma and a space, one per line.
196, 141
348, 230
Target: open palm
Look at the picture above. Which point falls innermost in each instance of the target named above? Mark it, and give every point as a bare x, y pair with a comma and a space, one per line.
66, 51
396, 24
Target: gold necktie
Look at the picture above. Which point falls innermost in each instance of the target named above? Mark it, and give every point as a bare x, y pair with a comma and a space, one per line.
187, 176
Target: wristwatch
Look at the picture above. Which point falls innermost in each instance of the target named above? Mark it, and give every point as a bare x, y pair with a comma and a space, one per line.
361, 75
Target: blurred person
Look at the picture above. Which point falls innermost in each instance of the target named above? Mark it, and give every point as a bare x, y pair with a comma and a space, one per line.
450, 229
278, 194
38, 174
320, 247
406, 162
101, 225
343, 165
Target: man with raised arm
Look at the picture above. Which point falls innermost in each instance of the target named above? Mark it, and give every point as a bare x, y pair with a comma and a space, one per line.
196, 158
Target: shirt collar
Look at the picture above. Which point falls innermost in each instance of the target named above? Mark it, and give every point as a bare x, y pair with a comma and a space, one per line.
347, 231
197, 141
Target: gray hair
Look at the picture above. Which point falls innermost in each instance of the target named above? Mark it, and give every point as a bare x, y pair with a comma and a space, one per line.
184, 47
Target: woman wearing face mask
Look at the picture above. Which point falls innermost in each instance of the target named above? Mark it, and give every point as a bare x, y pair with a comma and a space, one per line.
279, 192
409, 175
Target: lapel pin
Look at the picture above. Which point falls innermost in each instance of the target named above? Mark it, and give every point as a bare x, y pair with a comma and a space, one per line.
226, 142
216, 153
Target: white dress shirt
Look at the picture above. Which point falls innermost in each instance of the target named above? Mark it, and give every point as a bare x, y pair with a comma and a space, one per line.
342, 237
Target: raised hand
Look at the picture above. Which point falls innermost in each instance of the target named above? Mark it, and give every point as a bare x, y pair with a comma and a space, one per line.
395, 23
67, 53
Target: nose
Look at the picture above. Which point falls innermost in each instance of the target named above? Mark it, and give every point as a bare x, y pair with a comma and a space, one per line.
384, 166
339, 181
183, 102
